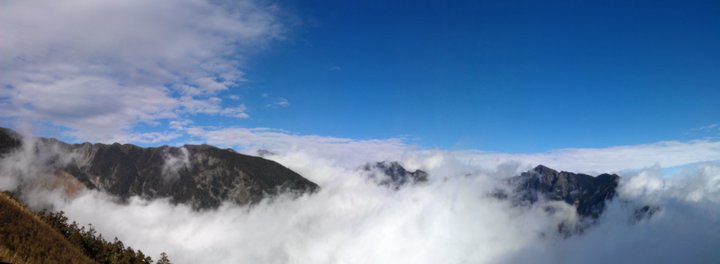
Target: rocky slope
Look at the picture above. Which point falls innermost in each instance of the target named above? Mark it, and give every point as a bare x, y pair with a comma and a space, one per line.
26, 238
9, 140
393, 174
200, 175
587, 193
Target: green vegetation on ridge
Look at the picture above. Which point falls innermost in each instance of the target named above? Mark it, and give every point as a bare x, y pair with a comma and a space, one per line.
47, 237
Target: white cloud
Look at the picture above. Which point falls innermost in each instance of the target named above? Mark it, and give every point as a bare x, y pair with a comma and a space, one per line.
352, 220
451, 219
279, 103
237, 112
152, 137
706, 131
610, 159
212, 106
710, 127
180, 124
101, 67
348, 151
356, 152
684, 230
173, 162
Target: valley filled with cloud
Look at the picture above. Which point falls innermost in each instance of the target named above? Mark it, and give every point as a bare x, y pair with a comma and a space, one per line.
310, 95
452, 218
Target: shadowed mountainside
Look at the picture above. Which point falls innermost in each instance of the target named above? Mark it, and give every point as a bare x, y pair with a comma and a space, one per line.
586, 193
200, 175
393, 174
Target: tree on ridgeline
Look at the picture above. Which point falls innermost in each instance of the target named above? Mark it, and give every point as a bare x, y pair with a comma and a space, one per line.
92, 243
163, 259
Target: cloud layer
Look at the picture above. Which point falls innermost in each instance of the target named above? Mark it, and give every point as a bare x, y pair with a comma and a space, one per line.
100, 68
451, 219
352, 152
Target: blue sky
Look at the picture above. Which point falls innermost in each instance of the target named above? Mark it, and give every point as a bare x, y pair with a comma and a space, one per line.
510, 76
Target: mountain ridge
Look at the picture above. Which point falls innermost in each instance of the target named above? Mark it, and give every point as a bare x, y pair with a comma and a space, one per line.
203, 176
392, 174
587, 193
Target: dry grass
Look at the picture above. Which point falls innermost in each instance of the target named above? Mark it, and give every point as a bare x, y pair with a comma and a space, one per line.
26, 238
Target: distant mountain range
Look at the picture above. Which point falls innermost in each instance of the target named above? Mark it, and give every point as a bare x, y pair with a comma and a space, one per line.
205, 176
200, 175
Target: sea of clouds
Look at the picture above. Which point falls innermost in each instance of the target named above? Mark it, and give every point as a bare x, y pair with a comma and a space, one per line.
101, 68
451, 219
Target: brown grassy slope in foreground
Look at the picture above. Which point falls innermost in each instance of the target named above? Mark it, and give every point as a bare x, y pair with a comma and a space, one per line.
26, 238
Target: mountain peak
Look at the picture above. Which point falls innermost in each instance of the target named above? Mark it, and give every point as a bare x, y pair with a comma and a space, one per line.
542, 169
587, 193
395, 174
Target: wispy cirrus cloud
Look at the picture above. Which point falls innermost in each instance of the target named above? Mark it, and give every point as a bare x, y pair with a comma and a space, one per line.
279, 103
99, 68
706, 131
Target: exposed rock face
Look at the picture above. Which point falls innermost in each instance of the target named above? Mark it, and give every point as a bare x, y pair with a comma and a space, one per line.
645, 213
200, 175
587, 193
393, 174
9, 140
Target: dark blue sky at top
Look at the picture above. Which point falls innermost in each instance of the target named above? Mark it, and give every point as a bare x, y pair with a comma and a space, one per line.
516, 76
